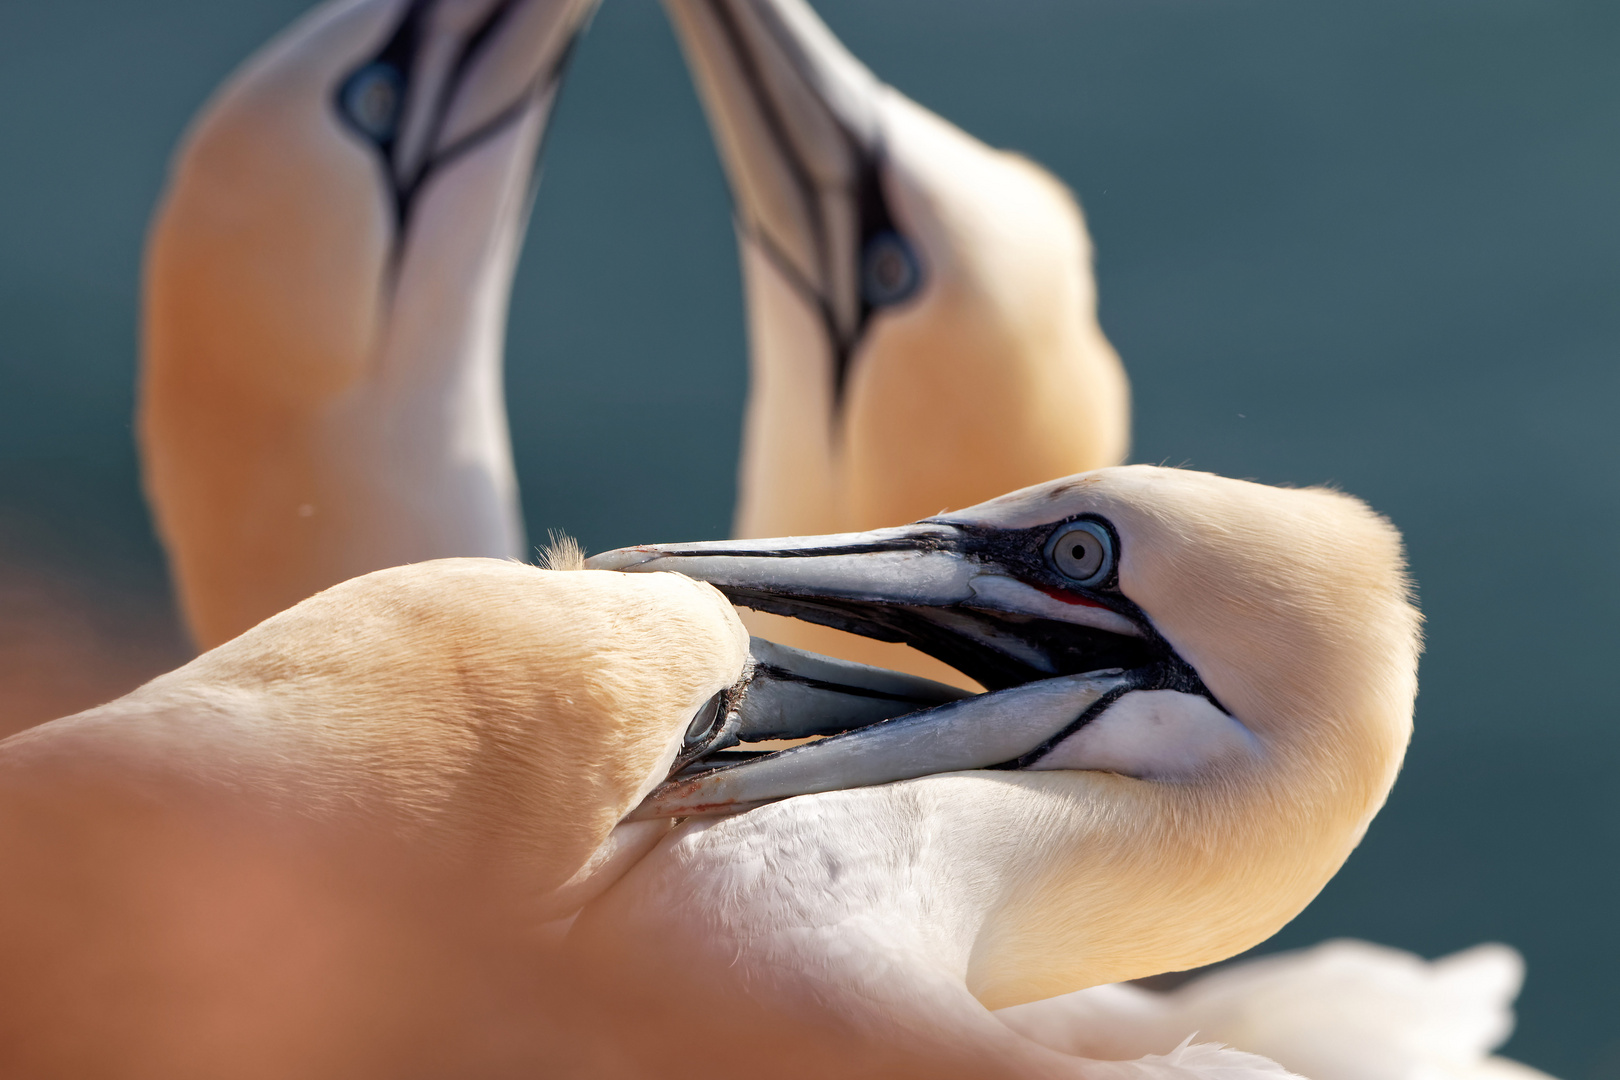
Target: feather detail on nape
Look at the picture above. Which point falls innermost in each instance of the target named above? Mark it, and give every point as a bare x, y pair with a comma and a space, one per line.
561, 552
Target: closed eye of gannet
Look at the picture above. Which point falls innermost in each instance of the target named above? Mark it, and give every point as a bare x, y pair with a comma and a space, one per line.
921, 310
326, 289
1201, 693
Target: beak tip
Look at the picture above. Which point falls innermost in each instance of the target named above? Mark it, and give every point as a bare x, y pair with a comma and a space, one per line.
621, 558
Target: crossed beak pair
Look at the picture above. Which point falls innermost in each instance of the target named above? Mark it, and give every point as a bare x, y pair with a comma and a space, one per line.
1053, 653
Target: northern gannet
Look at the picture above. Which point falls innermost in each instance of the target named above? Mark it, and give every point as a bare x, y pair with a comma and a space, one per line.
1203, 689
858, 214
921, 311
326, 285
504, 713
204, 466
1201, 693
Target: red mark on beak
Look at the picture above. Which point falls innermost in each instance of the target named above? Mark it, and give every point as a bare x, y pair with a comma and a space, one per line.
1070, 598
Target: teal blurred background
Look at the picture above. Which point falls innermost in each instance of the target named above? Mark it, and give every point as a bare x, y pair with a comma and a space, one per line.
1370, 244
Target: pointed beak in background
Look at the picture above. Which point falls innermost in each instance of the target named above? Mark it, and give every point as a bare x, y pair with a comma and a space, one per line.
797, 121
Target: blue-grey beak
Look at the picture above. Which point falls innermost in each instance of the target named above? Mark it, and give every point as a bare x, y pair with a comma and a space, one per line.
977, 598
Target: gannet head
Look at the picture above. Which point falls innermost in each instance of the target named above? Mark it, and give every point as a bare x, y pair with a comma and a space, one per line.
369, 159
1201, 691
898, 270
496, 712
326, 288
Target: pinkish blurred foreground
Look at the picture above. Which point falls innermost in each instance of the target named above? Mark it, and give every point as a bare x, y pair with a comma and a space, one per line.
70, 641
191, 940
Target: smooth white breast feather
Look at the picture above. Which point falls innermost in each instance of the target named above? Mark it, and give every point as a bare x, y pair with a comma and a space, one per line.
1349, 1010
1344, 1010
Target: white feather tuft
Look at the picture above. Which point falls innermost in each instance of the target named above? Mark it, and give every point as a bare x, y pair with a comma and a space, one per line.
561, 552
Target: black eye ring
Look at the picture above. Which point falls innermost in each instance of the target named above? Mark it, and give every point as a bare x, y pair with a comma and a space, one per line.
890, 271
1082, 551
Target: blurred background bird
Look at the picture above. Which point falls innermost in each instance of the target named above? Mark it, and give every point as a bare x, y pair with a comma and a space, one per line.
922, 319
325, 315
642, 465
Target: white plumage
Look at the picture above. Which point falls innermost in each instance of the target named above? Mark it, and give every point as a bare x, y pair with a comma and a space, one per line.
1344, 1010
332, 405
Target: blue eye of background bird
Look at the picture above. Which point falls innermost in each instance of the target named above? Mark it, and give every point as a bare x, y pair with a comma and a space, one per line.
372, 99
890, 272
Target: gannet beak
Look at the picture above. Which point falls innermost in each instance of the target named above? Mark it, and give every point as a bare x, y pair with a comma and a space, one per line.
971, 596
951, 591
797, 121
791, 694
980, 732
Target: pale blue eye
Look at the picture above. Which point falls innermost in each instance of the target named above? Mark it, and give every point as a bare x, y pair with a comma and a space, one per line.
372, 99
890, 272
1082, 551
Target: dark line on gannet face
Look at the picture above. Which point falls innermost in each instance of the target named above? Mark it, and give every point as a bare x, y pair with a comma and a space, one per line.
879, 242
390, 70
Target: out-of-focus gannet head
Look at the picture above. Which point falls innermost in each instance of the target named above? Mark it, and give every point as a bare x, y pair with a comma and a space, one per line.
326, 290
1201, 691
495, 712
921, 308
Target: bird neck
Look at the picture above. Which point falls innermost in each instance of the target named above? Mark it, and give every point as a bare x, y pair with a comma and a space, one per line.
401, 457
838, 923
311, 496
332, 405
788, 478
942, 897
